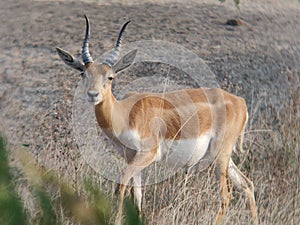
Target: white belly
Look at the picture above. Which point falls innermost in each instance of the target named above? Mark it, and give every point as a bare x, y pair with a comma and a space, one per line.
184, 153
176, 154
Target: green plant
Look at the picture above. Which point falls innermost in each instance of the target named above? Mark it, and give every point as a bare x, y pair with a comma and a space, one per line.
91, 208
11, 207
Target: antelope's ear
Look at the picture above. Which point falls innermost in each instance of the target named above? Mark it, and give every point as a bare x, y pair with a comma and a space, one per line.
125, 61
70, 60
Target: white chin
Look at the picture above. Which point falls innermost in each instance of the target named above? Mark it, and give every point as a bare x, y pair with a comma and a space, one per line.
94, 101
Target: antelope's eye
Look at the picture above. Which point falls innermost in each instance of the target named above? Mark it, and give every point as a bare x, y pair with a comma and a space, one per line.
110, 78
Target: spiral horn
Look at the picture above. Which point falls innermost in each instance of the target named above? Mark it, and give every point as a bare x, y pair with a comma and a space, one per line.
86, 57
113, 56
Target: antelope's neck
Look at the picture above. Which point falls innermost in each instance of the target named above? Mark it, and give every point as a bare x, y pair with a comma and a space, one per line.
103, 111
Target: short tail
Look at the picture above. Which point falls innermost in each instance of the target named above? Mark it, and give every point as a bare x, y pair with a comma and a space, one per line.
241, 137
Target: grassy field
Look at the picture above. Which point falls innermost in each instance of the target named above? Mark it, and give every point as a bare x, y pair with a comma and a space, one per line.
46, 196
43, 177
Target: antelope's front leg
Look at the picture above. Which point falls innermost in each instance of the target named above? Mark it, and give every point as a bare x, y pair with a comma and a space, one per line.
137, 190
139, 162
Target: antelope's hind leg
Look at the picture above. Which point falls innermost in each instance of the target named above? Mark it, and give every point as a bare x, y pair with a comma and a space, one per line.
244, 184
222, 176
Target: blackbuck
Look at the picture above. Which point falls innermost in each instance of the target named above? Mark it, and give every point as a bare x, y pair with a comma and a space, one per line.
184, 128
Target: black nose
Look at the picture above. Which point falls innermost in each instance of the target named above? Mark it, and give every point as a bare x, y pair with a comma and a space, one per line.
93, 94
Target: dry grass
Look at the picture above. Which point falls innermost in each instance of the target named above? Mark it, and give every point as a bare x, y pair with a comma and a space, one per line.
271, 160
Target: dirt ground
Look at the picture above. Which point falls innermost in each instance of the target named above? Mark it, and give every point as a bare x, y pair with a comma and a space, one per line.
253, 60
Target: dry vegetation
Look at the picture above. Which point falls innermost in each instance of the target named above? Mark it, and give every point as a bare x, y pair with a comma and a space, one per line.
271, 161
58, 187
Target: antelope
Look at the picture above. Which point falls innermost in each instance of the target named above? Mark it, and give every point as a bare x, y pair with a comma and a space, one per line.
184, 127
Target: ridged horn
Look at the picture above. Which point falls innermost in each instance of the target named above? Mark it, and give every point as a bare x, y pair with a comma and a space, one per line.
113, 56
86, 57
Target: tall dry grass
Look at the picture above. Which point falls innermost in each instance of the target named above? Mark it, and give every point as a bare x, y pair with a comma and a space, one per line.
56, 186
